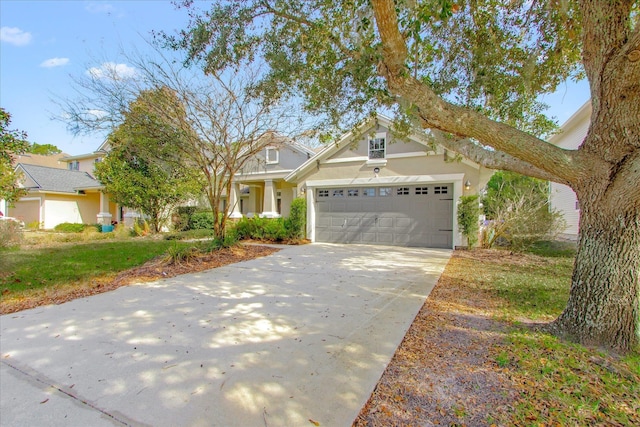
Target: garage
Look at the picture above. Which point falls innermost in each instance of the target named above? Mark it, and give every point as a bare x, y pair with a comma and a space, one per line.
418, 215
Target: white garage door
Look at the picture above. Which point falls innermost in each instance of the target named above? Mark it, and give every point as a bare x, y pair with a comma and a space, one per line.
401, 215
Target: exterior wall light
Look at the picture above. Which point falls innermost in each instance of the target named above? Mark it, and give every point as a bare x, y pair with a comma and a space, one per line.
467, 185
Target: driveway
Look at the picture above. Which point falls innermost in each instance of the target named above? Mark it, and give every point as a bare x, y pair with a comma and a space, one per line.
293, 339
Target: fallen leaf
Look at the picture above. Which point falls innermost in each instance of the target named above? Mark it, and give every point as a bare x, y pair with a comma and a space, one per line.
315, 423
44, 401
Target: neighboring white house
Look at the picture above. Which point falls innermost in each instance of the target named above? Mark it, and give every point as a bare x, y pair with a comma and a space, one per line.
563, 198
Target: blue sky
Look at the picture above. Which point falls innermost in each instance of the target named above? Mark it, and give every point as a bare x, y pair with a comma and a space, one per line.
43, 42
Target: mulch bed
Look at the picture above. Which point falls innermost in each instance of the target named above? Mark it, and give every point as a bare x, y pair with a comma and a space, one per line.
443, 373
152, 270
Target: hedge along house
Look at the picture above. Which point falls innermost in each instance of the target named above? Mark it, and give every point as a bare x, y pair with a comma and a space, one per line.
259, 189
372, 188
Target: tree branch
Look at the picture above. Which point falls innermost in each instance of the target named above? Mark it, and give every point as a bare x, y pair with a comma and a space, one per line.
496, 159
437, 113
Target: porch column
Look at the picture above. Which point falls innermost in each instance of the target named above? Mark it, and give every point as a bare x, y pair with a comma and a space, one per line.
269, 201
234, 201
104, 216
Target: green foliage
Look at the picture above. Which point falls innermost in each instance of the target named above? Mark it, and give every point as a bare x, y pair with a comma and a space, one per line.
296, 224
38, 268
264, 229
182, 217
203, 220
517, 208
12, 143
68, 227
142, 170
468, 218
178, 254
44, 149
271, 229
141, 227
495, 57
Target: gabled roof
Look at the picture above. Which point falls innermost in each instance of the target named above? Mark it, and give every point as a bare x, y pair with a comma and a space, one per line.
58, 180
346, 139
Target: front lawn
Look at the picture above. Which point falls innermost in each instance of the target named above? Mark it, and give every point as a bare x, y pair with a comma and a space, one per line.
475, 354
29, 270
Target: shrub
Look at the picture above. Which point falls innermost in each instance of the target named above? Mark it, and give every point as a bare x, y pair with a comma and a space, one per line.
68, 227
265, 229
517, 209
177, 254
296, 224
10, 234
141, 228
182, 217
468, 218
201, 221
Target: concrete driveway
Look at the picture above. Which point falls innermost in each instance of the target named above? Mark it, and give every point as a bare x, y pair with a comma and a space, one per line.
298, 337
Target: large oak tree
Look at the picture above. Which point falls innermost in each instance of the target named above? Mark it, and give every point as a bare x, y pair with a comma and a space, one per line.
473, 69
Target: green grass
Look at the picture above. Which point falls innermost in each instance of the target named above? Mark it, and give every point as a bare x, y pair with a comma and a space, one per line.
560, 383
35, 268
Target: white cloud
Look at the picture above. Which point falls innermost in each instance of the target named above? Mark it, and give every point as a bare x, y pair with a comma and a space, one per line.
15, 36
54, 62
113, 71
97, 113
95, 7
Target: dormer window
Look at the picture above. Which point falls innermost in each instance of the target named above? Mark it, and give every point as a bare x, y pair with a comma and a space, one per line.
74, 165
377, 147
272, 155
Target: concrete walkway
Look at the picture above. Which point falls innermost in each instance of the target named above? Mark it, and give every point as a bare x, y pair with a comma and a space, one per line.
298, 337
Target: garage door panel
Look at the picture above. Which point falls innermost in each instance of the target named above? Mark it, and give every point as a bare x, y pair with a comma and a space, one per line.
402, 239
403, 222
385, 238
406, 216
368, 237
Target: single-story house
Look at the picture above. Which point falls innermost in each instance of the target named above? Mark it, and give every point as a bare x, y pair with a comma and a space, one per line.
367, 187
562, 197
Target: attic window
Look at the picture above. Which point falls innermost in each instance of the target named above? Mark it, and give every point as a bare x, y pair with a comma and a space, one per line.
74, 166
377, 148
272, 156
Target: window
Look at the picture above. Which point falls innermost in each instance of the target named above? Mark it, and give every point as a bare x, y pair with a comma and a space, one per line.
440, 189
368, 192
74, 166
402, 191
353, 192
323, 193
377, 148
384, 191
337, 193
422, 190
272, 155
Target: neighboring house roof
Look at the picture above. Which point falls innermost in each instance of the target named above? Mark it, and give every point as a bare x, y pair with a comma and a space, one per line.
52, 160
58, 180
92, 155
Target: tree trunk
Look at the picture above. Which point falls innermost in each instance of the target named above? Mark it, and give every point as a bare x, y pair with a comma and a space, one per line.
603, 306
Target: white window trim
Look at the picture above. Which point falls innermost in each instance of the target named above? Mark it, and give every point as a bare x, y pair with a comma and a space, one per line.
272, 162
379, 135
